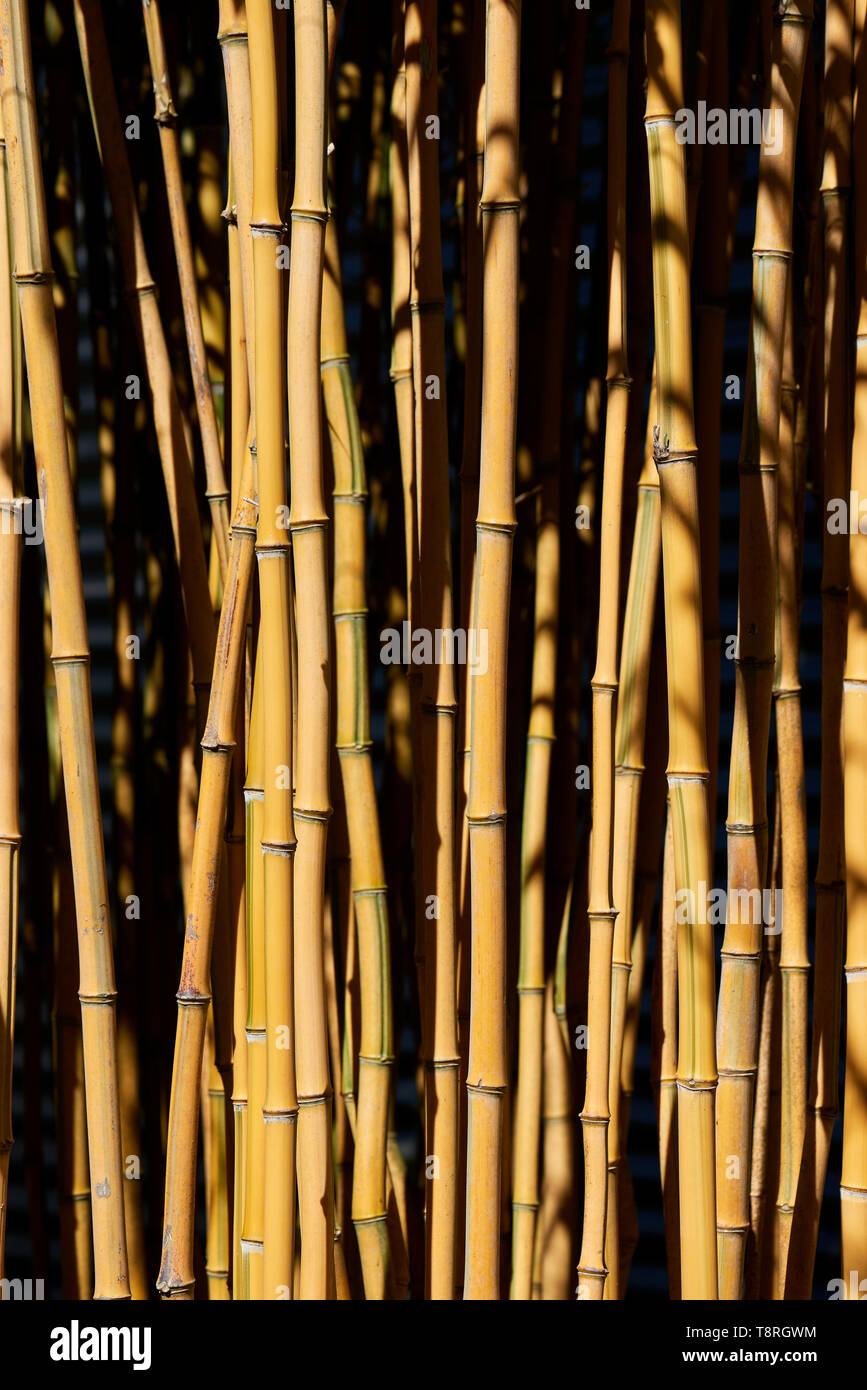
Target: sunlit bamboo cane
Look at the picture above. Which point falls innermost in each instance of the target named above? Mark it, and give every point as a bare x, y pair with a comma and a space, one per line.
602, 911
308, 520
675, 455
747, 828
70, 653
487, 1072
853, 1183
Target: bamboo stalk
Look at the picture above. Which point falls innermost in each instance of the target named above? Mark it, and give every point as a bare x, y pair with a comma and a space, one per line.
308, 520
602, 912
765, 1137
11, 549
747, 821
853, 1182
238, 434
675, 455
253, 1224
794, 963
822, 1098
234, 43
664, 1058
376, 1052
436, 774
487, 1071
527, 1117
177, 1279
468, 479
273, 552
70, 655
166, 118
651, 824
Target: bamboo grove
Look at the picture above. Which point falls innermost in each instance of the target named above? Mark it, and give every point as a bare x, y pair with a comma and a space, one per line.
433, 649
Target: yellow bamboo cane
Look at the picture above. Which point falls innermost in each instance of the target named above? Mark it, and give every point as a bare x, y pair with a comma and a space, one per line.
853, 1183
308, 520
747, 828
675, 454
436, 775
375, 1056
11, 544
487, 1072
273, 555
70, 655
794, 959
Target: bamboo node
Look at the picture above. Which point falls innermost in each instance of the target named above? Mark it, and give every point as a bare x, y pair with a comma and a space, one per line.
283, 851
427, 306
144, 291
33, 277
771, 253
323, 817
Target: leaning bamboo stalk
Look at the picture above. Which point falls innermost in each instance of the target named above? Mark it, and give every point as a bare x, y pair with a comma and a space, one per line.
238, 436
663, 1052
468, 480
601, 911
638, 624
647, 877
765, 1137
234, 44
853, 1182
140, 291
747, 819
308, 520
675, 455
166, 118
822, 1100
70, 654
11, 546
527, 1115
487, 1070
177, 1276
376, 1052
436, 774
794, 965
